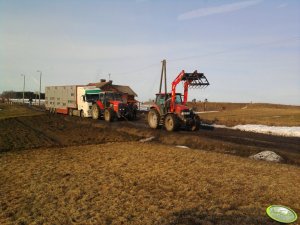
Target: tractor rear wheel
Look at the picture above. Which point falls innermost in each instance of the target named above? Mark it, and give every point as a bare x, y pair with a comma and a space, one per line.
95, 112
108, 115
171, 122
153, 118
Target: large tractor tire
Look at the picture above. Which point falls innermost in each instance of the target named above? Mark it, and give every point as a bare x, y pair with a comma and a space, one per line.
196, 124
109, 115
95, 112
171, 122
153, 118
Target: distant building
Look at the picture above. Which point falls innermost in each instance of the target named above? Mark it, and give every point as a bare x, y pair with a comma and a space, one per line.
127, 93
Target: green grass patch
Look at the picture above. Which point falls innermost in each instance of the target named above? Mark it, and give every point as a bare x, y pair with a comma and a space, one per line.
10, 111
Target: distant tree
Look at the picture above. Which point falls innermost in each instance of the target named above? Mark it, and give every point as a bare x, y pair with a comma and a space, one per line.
19, 94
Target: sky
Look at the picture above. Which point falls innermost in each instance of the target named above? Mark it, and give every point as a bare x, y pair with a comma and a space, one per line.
248, 50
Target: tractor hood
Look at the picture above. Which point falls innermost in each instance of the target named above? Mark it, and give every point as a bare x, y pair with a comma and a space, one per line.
116, 104
181, 108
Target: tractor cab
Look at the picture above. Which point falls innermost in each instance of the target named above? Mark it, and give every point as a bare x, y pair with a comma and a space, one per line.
110, 105
108, 98
163, 102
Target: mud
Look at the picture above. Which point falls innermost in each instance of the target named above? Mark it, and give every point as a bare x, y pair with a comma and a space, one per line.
54, 131
58, 130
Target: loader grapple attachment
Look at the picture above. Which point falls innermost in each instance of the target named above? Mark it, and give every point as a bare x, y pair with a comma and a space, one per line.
195, 79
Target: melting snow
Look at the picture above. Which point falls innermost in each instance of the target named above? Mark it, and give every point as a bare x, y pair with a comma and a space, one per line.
206, 112
281, 131
181, 146
274, 130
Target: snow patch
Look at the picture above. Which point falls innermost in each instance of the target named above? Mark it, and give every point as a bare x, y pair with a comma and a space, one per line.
206, 112
220, 126
281, 131
181, 146
147, 139
267, 156
273, 130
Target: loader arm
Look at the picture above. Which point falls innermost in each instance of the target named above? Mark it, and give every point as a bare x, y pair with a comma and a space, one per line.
174, 84
194, 79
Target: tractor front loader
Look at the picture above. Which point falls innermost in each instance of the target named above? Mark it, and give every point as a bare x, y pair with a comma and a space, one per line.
169, 109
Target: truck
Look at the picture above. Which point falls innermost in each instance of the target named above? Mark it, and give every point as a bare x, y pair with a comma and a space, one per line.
71, 99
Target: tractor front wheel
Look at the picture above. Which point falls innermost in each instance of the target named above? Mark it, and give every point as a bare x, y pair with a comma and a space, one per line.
108, 115
171, 122
95, 112
153, 118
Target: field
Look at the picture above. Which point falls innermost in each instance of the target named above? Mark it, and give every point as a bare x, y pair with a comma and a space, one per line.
67, 170
9, 111
231, 114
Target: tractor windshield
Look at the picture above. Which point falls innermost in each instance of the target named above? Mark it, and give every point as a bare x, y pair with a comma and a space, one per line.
114, 96
91, 97
162, 98
178, 99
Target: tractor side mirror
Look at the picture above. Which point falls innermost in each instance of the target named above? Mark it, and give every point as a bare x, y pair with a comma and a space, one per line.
83, 98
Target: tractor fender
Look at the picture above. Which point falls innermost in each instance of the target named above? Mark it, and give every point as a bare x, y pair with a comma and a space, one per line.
155, 107
100, 105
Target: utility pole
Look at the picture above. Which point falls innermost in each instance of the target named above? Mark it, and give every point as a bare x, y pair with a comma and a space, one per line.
23, 87
163, 76
40, 86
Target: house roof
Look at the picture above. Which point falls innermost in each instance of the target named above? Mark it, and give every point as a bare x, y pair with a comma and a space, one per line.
120, 88
101, 84
125, 89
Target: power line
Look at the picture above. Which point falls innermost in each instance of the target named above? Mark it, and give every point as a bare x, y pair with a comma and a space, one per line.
233, 50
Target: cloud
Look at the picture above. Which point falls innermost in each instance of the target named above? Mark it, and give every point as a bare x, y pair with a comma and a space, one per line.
282, 5
217, 9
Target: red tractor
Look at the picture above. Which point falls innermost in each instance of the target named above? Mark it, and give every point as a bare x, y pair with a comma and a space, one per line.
169, 110
110, 106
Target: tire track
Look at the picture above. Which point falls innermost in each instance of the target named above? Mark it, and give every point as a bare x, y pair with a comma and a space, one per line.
52, 140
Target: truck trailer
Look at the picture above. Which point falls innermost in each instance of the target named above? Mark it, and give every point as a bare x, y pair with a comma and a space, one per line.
72, 99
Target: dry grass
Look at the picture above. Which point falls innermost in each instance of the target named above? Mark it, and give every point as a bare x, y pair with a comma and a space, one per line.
231, 114
133, 183
9, 111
